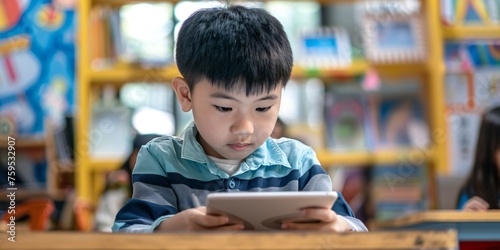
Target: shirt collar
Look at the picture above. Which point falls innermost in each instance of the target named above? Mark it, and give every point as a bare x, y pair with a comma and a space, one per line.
267, 154
191, 149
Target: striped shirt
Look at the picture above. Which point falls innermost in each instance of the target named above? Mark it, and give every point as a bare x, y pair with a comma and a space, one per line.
173, 174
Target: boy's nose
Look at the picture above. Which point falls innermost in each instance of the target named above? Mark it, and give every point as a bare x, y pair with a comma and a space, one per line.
242, 126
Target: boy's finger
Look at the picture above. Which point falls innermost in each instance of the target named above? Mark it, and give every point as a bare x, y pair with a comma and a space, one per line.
231, 227
211, 220
481, 201
321, 214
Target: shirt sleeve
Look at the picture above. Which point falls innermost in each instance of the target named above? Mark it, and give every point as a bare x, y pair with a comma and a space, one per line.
316, 179
153, 199
356, 225
463, 198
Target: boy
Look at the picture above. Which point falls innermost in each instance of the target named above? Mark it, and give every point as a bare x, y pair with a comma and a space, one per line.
235, 62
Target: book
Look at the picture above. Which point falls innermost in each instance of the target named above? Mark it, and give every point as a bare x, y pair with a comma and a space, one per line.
394, 38
456, 57
346, 118
324, 47
470, 12
483, 53
463, 130
396, 190
447, 12
399, 120
459, 91
493, 7
486, 87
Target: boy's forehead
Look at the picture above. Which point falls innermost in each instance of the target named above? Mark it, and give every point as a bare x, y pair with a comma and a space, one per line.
240, 87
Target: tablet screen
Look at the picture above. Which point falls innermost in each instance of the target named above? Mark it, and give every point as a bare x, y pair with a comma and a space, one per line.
266, 210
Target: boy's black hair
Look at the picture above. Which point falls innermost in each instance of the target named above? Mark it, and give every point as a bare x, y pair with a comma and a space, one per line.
232, 45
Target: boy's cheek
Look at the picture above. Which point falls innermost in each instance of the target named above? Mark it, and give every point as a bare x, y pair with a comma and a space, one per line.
264, 134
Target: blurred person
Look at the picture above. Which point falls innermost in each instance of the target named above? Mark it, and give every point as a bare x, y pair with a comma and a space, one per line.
118, 187
481, 190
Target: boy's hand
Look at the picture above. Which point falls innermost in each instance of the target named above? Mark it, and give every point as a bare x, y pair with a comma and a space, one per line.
476, 204
195, 219
328, 221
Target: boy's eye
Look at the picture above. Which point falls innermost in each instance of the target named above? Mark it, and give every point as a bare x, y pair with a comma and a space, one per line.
223, 109
263, 109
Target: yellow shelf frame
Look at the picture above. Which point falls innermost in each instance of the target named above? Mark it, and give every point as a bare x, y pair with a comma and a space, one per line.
83, 174
413, 156
121, 75
105, 165
357, 67
129, 73
472, 32
436, 71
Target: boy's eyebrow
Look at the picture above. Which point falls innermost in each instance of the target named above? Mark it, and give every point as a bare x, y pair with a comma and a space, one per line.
269, 97
225, 96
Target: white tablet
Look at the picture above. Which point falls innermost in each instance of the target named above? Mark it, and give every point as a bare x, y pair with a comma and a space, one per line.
266, 210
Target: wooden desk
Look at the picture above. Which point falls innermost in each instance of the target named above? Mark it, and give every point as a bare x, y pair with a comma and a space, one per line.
304, 240
471, 226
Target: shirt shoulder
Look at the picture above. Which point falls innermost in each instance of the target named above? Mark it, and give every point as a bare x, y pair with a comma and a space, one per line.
296, 151
161, 150
163, 144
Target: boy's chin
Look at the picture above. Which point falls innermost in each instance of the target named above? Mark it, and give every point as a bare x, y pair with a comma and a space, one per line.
235, 155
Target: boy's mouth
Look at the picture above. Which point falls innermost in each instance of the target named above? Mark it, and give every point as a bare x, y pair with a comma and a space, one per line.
239, 146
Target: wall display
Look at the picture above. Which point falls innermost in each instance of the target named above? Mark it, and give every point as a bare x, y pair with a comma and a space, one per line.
487, 87
470, 12
327, 47
37, 78
37, 63
459, 90
463, 129
394, 39
346, 119
399, 117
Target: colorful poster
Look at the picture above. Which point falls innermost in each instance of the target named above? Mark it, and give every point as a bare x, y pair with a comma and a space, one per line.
37, 54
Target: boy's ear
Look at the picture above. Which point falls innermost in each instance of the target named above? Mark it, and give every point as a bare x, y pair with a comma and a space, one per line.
183, 93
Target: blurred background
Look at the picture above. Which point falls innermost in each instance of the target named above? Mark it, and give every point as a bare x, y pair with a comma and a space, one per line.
388, 93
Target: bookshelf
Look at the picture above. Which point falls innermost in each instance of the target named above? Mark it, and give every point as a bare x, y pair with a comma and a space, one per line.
89, 170
42, 146
480, 27
24, 142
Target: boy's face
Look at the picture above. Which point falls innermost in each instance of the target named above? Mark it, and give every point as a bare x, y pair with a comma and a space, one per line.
231, 124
